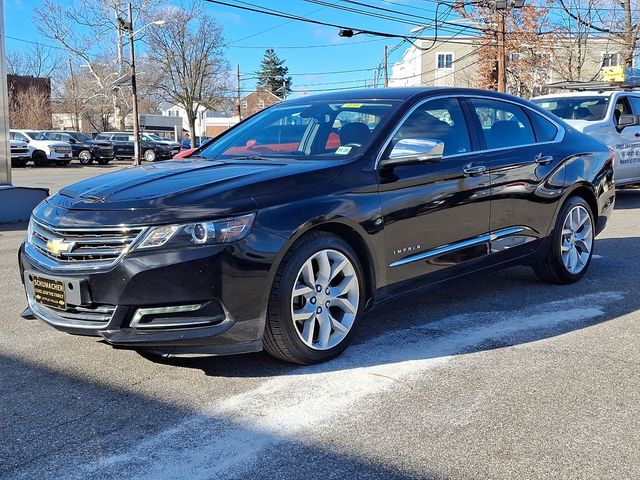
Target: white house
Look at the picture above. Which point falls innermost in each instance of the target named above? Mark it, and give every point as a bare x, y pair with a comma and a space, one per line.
209, 122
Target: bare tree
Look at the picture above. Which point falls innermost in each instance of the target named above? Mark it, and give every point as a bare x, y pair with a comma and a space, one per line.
189, 53
618, 19
36, 61
83, 26
30, 108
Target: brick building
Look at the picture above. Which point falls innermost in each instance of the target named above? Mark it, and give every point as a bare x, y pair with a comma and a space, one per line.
256, 101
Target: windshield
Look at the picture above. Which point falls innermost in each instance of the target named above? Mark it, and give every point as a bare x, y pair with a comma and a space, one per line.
318, 130
81, 137
576, 108
38, 136
156, 137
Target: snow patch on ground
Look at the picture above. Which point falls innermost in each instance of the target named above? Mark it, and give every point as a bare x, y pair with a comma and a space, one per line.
225, 438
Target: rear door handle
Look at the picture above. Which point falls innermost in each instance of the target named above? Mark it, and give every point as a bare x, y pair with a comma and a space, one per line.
471, 169
543, 159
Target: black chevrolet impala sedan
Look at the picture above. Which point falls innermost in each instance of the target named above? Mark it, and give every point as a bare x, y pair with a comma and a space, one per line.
281, 233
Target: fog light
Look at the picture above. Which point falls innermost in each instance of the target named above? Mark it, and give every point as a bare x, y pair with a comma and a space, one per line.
145, 312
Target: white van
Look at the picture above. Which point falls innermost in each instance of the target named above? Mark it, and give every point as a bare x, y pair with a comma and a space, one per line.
613, 117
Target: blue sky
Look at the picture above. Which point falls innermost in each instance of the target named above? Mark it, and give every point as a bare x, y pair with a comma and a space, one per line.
310, 51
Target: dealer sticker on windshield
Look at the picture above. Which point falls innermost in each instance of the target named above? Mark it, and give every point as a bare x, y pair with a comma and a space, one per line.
343, 150
352, 105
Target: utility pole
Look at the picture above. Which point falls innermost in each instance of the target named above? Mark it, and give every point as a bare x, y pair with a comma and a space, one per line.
238, 80
386, 71
502, 56
76, 120
134, 92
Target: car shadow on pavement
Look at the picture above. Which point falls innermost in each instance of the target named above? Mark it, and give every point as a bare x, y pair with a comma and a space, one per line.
58, 425
477, 313
13, 227
627, 199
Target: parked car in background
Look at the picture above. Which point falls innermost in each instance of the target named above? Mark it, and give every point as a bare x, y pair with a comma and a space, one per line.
43, 149
85, 148
610, 116
20, 155
151, 150
153, 137
283, 242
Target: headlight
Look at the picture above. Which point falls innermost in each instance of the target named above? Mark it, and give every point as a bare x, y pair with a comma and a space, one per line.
200, 233
30, 231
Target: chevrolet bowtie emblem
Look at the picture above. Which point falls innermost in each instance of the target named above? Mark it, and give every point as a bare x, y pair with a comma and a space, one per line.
58, 246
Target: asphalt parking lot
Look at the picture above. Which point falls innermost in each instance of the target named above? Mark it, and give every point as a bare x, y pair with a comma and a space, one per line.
495, 376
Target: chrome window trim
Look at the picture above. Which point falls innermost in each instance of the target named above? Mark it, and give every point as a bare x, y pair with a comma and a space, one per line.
487, 237
558, 138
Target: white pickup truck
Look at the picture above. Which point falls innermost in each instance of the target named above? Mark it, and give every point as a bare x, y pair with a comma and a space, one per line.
20, 154
613, 117
43, 150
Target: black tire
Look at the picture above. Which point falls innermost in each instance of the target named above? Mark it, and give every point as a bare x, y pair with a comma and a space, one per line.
551, 268
104, 161
150, 155
85, 157
40, 159
281, 339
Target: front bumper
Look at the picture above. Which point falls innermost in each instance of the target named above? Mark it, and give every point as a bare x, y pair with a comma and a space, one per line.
60, 156
230, 282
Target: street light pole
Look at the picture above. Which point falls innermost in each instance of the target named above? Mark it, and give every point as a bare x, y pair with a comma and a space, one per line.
134, 92
502, 57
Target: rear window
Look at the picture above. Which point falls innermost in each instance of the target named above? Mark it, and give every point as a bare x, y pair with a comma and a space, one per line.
545, 130
589, 109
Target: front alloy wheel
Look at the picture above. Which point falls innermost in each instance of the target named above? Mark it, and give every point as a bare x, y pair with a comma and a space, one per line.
150, 155
316, 300
85, 157
325, 299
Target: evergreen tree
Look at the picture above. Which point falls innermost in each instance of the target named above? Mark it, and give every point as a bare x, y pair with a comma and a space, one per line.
273, 74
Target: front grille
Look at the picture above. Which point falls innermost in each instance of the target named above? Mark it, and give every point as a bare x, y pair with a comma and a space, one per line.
62, 149
20, 150
80, 248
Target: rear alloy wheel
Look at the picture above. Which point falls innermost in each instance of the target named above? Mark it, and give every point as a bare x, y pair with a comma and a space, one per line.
150, 155
316, 300
85, 157
572, 244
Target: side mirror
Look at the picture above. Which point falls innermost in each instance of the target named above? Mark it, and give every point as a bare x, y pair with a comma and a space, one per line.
410, 150
628, 120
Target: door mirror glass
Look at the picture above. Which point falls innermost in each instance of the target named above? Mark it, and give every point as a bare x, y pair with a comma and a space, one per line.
628, 120
409, 150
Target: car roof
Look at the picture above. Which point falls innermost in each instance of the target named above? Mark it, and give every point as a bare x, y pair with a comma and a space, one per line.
395, 93
586, 93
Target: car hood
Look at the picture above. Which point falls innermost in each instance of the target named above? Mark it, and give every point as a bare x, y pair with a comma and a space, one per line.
172, 191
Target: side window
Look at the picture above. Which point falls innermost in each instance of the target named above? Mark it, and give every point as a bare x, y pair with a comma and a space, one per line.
54, 136
503, 124
545, 130
635, 105
102, 137
440, 119
622, 108
19, 136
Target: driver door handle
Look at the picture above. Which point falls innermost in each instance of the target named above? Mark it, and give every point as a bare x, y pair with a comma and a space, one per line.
543, 159
471, 169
